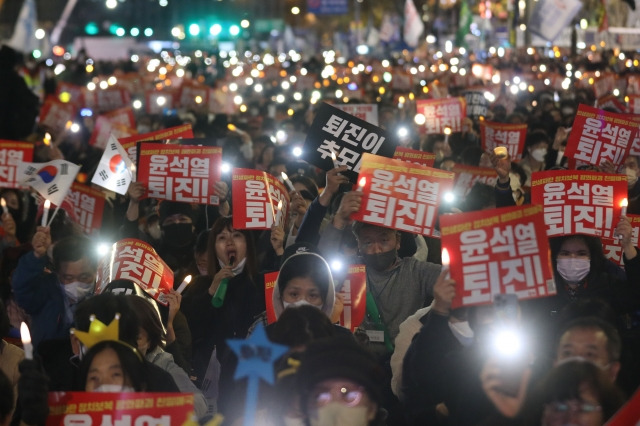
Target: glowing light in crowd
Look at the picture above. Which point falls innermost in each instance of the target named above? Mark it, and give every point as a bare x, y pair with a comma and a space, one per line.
137, 104
40, 33
111, 4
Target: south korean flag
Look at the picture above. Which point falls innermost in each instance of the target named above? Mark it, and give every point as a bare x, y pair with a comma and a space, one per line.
115, 171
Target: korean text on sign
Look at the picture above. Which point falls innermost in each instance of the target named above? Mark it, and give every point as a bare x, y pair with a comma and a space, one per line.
599, 136
402, 196
336, 133
442, 113
88, 205
499, 251
511, 136
256, 197
414, 156
180, 173
468, 176
136, 261
578, 202
11, 154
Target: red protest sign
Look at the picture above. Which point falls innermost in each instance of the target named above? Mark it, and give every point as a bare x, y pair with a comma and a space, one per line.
401, 195
269, 285
75, 93
130, 408
467, 176
107, 99
183, 173
88, 205
256, 196
629, 414
414, 156
511, 136
13, 153
193, 95
55, 114
599, 136
136, 261
442, 113
120, 122
577, 202
634, 104
498, 251
158, 101
611, 246
130, 143
354, 297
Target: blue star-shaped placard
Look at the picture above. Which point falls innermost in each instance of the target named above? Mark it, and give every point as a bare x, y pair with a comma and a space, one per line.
256, 355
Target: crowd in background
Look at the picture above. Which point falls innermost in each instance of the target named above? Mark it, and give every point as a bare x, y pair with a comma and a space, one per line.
414, 360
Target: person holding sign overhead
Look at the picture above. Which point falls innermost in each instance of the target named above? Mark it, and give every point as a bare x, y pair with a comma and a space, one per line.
396, 287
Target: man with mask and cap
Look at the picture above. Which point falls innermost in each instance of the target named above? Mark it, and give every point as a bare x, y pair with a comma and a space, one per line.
396, 287
51, 297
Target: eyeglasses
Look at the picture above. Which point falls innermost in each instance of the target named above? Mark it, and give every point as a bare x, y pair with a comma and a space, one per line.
347, 396
573, 407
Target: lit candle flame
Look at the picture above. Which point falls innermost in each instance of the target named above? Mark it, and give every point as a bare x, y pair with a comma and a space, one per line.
45, 212
47, 139
232, 127
25, 336
68, 125
624, 203
361, 183
446, 260
4, 206
447, 130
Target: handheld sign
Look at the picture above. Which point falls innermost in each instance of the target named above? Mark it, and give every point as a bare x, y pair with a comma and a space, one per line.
498, 251
11, 155
256, 196
349, 137
577, 202
401, 195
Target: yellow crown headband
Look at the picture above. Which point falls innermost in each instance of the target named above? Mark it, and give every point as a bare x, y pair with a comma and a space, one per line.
99, 332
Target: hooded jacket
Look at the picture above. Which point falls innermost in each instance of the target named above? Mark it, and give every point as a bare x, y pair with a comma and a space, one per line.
327, 289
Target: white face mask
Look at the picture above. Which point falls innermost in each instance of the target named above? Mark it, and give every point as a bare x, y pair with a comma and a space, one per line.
573, 270
632, 176
337, 414
539, 154
78, 291
462, 331
155, 231
298, 303
114, 388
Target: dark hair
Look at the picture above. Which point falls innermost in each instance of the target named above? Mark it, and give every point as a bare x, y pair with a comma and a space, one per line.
565, 382
202, 242
105, 306
300, 325
471, 155
220, 225
358, 227
5, 324
533, 138
594, 245
149, 320
72, 249
481, 196
614, 343
305, 266
308, 183
6, 402
132, 365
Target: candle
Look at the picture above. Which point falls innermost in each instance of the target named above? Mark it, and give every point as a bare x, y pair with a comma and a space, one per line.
624, 203
184, 284
45, 212
335, 160
446, 260
559, 157
286, 180
25, 336
47, 139
278, 218
361, 183
447, 132
4, 206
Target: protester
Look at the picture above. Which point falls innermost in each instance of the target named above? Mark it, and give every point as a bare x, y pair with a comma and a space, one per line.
51, 297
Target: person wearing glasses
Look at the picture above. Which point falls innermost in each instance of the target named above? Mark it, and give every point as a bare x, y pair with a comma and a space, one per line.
339, 384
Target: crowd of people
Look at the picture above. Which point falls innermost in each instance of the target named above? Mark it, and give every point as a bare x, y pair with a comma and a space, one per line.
413, 360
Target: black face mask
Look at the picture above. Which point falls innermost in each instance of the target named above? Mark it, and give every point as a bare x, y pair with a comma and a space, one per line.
178, 234
380, 261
